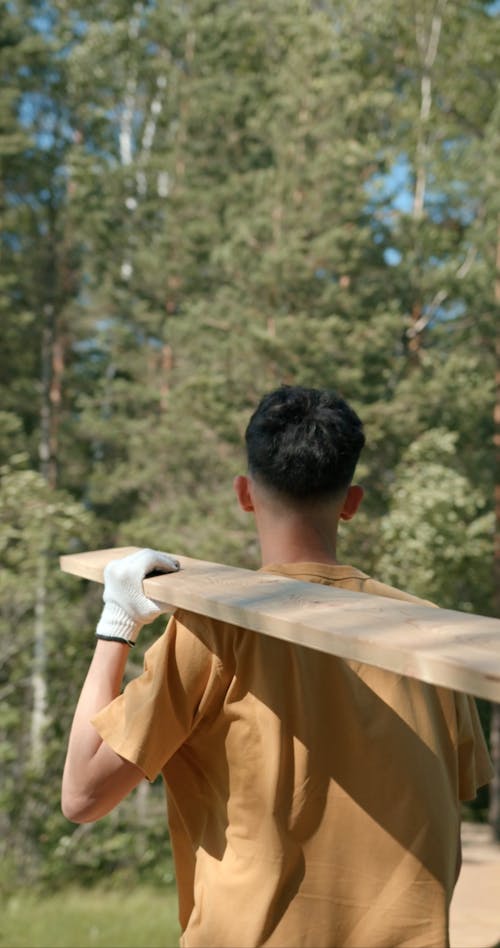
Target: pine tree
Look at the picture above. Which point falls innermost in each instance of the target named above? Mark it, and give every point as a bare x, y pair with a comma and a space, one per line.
201, 202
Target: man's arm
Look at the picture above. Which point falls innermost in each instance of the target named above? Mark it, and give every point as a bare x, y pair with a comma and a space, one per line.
95, 778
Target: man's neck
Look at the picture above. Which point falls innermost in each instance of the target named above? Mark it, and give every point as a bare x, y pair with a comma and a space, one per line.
297, 540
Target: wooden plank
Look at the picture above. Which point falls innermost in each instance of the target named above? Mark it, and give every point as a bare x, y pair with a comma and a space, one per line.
440, 646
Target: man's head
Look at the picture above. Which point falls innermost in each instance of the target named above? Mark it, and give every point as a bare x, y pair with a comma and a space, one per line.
304, 444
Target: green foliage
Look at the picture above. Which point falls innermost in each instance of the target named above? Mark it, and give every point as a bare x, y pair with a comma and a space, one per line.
436, 539
201, 201
132, 842
35, 523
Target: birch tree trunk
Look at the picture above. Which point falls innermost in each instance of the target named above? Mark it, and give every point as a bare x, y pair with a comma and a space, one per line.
39, 667
427, 44
52, 367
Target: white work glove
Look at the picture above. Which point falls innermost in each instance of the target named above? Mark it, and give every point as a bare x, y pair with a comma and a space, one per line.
126, 607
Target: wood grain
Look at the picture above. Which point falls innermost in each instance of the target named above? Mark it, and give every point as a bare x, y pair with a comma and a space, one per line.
439, 646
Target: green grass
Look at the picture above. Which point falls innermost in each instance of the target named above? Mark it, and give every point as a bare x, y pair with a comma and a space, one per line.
80, 918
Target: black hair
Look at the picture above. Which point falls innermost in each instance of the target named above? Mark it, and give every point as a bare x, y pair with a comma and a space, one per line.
304, 442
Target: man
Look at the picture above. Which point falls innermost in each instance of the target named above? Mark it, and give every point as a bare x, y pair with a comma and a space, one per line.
312, 801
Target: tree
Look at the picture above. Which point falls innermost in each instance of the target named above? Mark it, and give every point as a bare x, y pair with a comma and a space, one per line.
436, 537
202, 201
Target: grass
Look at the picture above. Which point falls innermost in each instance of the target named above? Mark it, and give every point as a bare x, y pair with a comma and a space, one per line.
91, 918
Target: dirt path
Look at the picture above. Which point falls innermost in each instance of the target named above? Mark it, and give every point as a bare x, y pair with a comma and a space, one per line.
475, 910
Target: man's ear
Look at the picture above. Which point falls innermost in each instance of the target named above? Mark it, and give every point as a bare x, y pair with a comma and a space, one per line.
242, 488
352, 501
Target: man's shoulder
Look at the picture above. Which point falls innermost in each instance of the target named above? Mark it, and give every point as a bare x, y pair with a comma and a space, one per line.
376, 588
345, 577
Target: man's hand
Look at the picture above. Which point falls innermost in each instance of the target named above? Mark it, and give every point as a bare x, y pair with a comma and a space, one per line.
126, 608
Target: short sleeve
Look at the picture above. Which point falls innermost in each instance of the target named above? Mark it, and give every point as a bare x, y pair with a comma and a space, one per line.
474, 764
157, 711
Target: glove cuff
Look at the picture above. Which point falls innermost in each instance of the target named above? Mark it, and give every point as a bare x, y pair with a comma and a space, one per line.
116, 625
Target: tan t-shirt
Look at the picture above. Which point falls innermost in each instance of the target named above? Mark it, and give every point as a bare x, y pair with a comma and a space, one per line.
312, 801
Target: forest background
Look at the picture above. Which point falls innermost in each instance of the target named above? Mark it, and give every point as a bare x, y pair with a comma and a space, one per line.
201, 200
